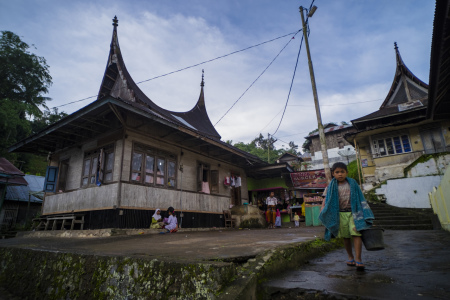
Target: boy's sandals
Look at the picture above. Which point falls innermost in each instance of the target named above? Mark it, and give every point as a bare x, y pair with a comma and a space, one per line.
173, 230
351, 263
360, 266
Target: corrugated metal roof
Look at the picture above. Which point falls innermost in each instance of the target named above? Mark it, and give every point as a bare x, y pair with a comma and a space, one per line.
21, 193
10, 173
330, 129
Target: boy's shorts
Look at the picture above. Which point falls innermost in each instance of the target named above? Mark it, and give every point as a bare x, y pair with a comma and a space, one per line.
347, 227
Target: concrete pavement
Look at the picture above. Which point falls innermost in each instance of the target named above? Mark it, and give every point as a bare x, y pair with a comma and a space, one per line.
183, 245
414, 265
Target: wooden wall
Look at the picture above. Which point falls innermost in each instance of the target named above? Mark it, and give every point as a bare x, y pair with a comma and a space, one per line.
93, 198
140, 196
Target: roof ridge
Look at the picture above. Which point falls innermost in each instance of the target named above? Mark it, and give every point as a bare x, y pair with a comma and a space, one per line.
400, 71
127, 89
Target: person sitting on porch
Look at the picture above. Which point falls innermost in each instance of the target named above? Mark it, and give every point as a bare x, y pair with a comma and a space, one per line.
157, 222
172, 223
271, 203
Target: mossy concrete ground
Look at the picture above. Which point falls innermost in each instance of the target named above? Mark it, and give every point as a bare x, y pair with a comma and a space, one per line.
199, 265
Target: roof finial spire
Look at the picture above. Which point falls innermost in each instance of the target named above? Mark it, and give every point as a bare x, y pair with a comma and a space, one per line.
203, 75
395, 46
115, 21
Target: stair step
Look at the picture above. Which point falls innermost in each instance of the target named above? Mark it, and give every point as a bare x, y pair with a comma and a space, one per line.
408, 227
399, 217
399, 222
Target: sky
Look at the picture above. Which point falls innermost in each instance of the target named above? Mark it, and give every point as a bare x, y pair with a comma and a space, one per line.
351, 44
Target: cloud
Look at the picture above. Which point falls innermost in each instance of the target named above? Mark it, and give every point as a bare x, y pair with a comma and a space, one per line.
351, 47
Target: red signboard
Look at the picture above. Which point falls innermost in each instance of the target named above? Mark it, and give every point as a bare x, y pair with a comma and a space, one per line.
309, 179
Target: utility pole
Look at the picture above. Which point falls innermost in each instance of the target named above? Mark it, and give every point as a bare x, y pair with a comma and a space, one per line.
323, 143
268, 148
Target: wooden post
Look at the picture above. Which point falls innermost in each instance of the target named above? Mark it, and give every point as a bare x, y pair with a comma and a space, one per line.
358, 162
323, 143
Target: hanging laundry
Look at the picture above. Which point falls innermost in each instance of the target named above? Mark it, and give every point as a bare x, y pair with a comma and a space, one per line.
227, 181
238, 181
233, 181
205, 188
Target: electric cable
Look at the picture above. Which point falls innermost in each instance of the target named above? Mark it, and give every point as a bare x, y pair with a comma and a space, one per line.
195, 65
290, 88
257, 78
295, 69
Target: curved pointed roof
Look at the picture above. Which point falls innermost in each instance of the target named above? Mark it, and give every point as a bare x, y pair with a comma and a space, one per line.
407, 93
406, 87
117, 83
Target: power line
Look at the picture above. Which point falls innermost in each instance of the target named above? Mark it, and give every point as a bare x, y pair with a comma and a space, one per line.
256, 78
295, 69
271, 121
192, 66
290, 88
337, 104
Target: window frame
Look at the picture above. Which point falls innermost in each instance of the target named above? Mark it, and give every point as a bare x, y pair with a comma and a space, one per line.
157, 155
393, 144
94, 155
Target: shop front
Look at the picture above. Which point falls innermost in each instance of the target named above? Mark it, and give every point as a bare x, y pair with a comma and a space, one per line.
310, 185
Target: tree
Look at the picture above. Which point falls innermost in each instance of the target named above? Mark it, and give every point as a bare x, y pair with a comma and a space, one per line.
24, 80
24, 77
47, 118
353, 171
293, 148
262, 147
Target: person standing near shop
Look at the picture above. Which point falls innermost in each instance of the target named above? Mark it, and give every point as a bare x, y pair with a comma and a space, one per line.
271, 211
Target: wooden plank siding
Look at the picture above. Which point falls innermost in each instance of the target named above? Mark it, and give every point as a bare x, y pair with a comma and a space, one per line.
140, 196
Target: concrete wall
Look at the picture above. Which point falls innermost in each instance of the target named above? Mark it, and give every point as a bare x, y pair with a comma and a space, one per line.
388, 167
440, 200
422, 176
316, 162
409, 192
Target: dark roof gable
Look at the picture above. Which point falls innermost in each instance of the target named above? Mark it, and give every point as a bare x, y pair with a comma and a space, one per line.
119, 84
407, 93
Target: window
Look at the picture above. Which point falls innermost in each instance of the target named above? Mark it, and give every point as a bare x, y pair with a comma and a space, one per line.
98, 166
153, 167
64, 168
203, 177
391, 145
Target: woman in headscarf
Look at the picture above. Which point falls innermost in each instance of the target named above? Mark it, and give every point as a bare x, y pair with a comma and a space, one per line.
157, 222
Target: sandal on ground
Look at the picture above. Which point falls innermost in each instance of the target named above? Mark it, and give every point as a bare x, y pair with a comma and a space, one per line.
360, 266
173, 230
351, 263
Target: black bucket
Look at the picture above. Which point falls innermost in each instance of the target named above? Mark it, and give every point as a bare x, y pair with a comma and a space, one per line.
373, 239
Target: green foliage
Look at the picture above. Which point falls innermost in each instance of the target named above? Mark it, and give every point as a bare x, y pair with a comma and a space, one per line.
262, 148
24, 77
353, 171
24, 80
47, 118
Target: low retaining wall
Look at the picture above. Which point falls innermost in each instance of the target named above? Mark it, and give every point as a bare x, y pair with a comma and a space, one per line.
36, 274
48, 275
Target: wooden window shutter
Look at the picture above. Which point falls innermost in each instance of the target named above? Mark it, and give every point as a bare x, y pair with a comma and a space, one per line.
51, 177
199, 177
214, 181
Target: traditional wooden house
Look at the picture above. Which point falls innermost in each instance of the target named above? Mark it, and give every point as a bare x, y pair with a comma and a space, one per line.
119, 158
391, 138
338, 149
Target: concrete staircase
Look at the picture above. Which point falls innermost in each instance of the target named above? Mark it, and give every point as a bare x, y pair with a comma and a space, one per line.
397, 218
